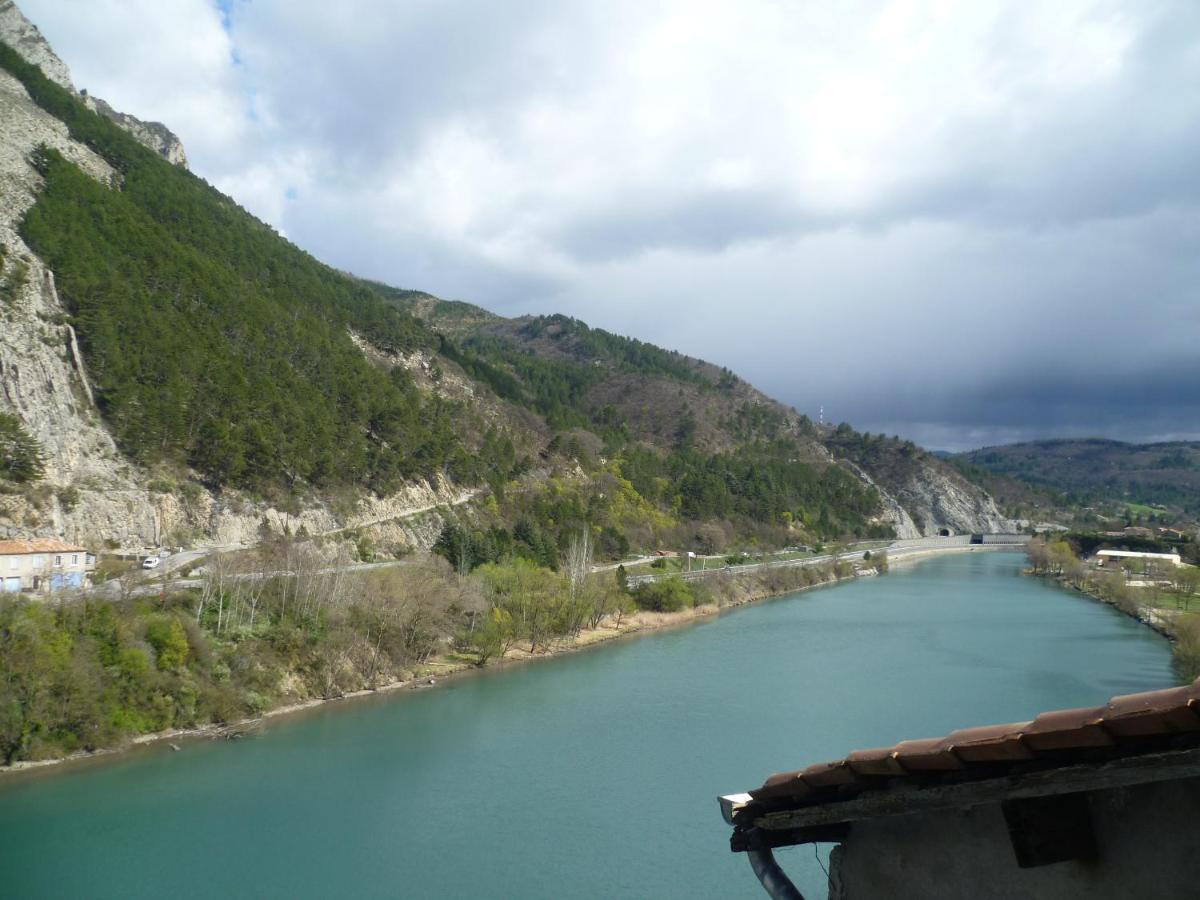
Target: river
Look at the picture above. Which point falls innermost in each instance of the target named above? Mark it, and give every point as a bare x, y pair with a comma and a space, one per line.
589, 775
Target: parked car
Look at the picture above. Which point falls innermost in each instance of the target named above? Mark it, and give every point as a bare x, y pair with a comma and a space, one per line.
150, 562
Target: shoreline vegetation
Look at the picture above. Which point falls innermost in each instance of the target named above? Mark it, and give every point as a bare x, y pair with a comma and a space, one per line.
435, 672
727, 590
722, 590
1159, 596
719, 592
171, 649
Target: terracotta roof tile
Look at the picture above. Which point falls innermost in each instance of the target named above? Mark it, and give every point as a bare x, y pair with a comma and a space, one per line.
989, 743
1068, 729
926, 755
1126, 725
828, 774
39, 545
1152, 712
783, 784
881, 761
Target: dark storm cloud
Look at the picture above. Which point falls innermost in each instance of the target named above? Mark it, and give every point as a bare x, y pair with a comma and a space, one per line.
1159, 402
702, 222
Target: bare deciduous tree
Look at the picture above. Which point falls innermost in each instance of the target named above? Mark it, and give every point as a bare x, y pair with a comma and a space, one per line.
578, 562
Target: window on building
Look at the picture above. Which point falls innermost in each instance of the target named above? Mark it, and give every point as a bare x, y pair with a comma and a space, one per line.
14, 562
58, 560
74, 559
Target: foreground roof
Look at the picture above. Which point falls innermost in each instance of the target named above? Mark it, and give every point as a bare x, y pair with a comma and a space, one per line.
892, 780
38, 545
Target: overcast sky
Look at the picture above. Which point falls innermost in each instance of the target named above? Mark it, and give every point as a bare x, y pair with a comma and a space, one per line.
965, 223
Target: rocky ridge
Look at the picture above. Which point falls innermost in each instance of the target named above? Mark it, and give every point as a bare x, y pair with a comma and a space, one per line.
24, 37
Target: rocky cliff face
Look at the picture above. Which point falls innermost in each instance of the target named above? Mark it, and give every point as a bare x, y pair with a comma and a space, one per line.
90, 491
922, 496
24, 37
938, 499
154, 135
42, 379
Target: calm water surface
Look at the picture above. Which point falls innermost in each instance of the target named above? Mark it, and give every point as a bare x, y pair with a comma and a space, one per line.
593, 775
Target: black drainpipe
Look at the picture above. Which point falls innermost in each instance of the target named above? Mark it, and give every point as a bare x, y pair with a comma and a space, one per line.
774, 880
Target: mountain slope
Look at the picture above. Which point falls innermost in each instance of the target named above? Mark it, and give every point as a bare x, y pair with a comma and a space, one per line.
243, 380
676, 404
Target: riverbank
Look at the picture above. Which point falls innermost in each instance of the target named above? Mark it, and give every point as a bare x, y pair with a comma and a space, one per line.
727, 591
899, 557
1166, 623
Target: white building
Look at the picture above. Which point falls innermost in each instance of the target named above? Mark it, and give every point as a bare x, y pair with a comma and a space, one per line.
1114, 558
43, 565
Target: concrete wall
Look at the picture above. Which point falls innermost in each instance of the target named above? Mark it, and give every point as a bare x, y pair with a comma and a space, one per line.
1147, 836
1021, 539
931, 543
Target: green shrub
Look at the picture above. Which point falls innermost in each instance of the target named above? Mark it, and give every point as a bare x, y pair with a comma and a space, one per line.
170, 642
669, 595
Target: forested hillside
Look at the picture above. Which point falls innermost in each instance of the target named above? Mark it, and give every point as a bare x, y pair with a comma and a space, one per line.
1094, 470
214, 343
216, 346
219, 353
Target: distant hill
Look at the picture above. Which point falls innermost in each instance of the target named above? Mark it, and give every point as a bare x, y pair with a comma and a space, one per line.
1094, 469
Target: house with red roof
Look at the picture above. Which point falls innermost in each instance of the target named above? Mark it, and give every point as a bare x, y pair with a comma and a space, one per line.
43, 565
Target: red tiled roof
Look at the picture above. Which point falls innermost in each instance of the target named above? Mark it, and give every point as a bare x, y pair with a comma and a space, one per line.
40, 545
1128, 725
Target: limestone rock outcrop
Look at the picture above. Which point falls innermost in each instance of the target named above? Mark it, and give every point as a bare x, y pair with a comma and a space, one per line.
155, 135
24, 37
937, 498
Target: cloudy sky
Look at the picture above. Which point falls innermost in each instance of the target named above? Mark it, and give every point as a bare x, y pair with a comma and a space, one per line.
966, 223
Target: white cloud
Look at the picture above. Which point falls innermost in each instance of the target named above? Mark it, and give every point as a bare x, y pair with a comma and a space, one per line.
168, 62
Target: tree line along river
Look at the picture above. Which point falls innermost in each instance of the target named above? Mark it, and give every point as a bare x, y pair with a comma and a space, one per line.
589, 775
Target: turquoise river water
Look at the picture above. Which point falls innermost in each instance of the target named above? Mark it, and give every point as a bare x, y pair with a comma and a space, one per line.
590, 775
